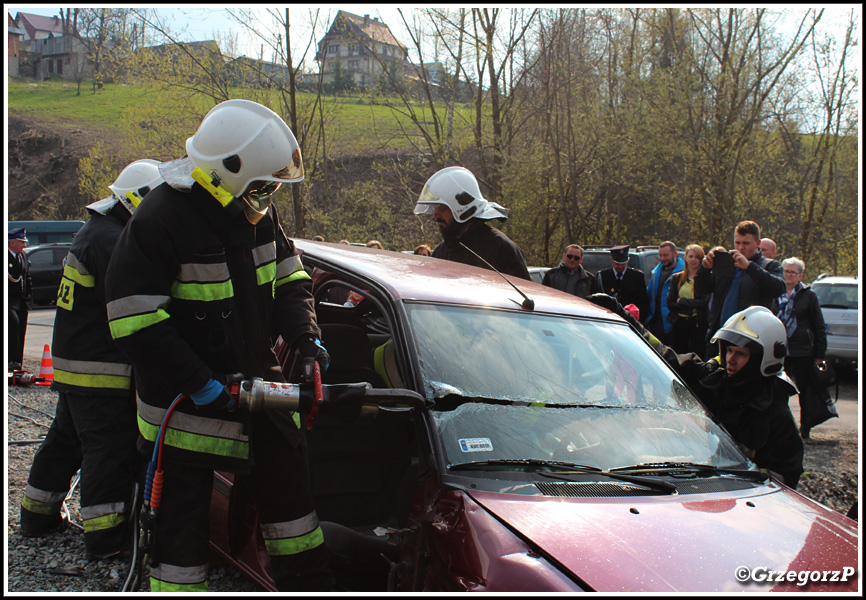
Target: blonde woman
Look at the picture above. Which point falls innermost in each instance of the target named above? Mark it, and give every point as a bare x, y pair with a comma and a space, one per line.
687, 311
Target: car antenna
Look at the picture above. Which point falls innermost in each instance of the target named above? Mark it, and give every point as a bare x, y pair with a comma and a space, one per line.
528, 303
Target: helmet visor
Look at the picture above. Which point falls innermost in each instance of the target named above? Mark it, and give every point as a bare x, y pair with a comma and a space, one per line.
294, 171
426, 201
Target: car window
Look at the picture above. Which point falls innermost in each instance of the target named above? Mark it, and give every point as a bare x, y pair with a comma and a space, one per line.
41, 258
650, 260
836, 295
596, 262
620, 403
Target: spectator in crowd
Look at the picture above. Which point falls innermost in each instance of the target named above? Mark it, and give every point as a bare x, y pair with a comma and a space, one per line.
800, 311
756, 281
768, 248
344, 242
656, 318
423, 250
318, 238
20, 296
742, 387
686, 311
570, 276
375, 244
626, 284
452, 196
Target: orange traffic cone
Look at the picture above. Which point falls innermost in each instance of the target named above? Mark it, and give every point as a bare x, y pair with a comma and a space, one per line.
46, 369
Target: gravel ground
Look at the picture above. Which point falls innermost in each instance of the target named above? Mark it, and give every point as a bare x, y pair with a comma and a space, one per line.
57, 562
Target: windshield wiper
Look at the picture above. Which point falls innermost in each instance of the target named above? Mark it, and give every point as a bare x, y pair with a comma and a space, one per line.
692, 469
565, 468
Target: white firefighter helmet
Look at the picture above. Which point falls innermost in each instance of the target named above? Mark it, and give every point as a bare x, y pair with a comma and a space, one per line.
457, 188
135, 181
759, 329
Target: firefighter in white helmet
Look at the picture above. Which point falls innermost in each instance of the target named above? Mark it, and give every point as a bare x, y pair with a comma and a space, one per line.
200, 283
744, 387
454, 200
94, 428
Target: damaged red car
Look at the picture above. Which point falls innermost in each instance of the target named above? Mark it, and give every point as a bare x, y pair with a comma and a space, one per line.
526, 446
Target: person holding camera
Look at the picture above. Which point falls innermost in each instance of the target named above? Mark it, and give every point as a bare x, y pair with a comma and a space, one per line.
738, 279
799, 309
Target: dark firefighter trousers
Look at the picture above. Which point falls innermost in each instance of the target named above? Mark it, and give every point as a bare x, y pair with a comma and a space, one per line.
279, 486
96, 434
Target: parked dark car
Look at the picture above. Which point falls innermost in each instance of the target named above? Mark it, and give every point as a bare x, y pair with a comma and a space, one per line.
49, 232
645, 258
46, 270
530, 450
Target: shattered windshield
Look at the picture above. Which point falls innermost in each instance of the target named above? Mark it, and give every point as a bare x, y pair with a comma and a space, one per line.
514, 384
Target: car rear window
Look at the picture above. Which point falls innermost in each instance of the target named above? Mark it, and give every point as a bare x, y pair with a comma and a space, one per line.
836, 295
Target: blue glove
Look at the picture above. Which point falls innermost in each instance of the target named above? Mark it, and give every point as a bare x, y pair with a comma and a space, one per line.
311, 350
213, 395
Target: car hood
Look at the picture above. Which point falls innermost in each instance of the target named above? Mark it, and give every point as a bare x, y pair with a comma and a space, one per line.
684, 544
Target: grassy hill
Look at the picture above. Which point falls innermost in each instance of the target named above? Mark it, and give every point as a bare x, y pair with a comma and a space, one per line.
354, 124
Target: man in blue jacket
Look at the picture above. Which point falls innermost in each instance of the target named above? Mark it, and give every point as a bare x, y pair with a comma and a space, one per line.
657, 290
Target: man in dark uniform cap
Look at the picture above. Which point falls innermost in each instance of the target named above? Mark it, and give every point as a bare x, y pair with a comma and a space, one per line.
20, 289
626, 284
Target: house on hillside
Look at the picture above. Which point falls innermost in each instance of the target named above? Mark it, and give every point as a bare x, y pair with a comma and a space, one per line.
358, 49
197, 60
37, 27
15, 35
46, 52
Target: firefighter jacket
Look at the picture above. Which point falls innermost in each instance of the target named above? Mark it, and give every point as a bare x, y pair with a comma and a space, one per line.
488, 242
630, 289
194, 291
84, 357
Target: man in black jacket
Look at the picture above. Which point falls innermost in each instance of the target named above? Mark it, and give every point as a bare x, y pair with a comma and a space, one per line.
626, 284
756, 280
20, 289
570, 276
453, 198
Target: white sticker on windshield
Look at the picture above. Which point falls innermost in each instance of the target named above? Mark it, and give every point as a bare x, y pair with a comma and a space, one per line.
476, 445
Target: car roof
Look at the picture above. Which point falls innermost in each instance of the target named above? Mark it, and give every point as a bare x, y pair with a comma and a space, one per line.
835, 279
422, 278
48, 245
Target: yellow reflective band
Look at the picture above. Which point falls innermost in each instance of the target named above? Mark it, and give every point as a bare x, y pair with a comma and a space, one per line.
133, 197
195, 442
127, 326
70, 272
222, 195
266, 273
297, 419
295, 545
65, 294
379, 364
653, 340
164, 586
296, 276
103, 522
42, 508
205, 292
116, 382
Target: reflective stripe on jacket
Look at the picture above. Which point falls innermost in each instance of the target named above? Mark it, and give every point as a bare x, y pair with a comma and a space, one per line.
84, 357
194, 290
